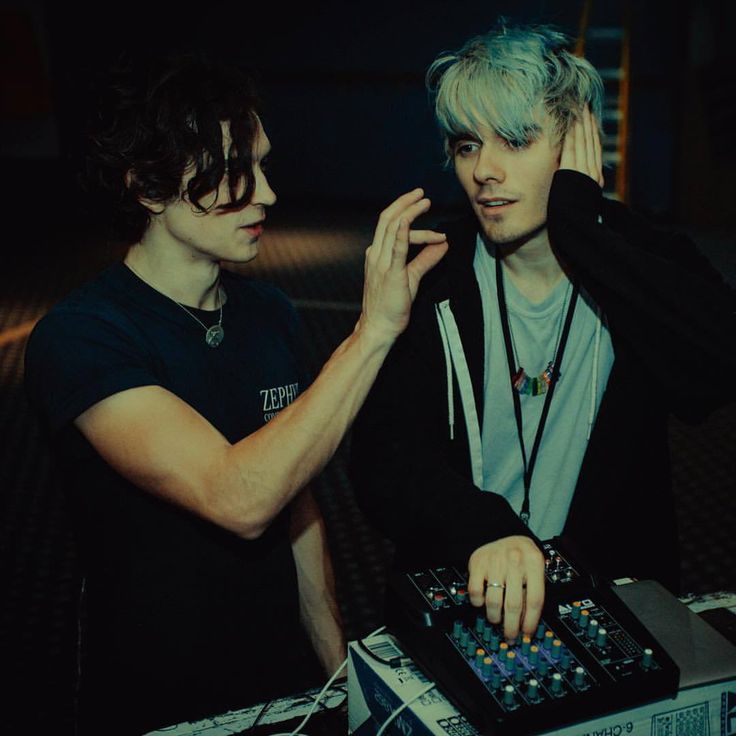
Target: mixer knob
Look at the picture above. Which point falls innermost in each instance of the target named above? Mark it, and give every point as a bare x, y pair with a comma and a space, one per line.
508, 695
646, 660
548, 639
480, 655
487, 667
556, 649
602, 639
462, 595
495, 678
593, 629
526, 643
575, 610
579, 678
532, 691
583, 619
533, 654
457, 629
557, 683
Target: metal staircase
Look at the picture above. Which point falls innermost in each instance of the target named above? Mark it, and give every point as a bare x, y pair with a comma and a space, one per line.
603, 38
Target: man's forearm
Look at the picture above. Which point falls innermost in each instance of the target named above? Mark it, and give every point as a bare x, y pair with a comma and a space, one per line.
259, 475
317, 601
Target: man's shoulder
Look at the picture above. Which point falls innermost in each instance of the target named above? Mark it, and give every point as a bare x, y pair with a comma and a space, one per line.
104, 316
98, 300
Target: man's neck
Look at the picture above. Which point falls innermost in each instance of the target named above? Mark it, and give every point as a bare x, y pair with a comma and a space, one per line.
532, 267
188, 278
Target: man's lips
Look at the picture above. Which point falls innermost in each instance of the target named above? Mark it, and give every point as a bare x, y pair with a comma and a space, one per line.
495, 203
255, 228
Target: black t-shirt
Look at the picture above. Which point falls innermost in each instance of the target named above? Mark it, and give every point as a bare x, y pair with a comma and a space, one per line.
184, 619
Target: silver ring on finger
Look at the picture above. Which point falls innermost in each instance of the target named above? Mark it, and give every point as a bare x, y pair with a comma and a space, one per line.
492, 584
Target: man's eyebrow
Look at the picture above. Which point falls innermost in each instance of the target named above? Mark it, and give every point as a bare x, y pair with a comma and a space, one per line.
462, 135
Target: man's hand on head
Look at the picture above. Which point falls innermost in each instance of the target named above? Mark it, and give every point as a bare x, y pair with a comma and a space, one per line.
507, 577
581, 147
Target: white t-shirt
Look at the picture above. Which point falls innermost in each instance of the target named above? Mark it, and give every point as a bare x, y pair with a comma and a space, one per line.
586, 365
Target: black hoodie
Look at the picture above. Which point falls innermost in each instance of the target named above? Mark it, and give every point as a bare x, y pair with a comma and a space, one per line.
673, 327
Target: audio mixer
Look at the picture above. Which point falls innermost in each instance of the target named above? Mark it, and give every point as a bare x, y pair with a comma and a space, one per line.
589, 655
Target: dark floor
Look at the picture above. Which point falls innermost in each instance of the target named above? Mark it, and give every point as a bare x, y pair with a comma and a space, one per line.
318, 262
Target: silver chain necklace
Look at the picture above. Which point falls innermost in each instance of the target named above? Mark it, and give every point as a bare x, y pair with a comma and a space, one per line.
214, 335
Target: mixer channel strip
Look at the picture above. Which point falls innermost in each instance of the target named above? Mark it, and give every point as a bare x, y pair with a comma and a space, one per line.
528, 672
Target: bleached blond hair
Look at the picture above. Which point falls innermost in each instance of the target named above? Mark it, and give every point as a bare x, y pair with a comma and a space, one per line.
506, 79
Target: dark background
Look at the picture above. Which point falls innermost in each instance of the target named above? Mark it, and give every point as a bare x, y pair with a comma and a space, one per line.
346, 106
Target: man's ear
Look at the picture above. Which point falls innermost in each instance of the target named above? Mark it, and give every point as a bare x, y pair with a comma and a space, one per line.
155, 208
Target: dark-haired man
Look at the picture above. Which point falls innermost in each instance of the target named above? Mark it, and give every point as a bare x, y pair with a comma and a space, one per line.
174, 396
530, 394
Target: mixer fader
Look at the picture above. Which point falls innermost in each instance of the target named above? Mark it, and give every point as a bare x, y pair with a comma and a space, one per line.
589, 654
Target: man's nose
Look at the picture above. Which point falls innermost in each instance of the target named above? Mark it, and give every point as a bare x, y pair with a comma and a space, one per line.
489, 166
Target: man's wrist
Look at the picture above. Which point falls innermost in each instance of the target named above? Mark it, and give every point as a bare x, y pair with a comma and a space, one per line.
372, 339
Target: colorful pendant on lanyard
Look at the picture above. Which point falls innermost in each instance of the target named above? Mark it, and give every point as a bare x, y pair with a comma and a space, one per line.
533, 386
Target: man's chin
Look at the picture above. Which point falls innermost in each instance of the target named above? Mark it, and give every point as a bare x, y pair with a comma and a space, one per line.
511, 239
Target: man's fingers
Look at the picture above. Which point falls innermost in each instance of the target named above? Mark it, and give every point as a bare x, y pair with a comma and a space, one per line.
385, 254
389, 214
580, 145
476, 584
567, 157
401, 244
598, 147
408, 215
512, 606
418, 237
494, 601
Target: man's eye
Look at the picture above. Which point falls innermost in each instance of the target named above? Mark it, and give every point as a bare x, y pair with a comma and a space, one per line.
465, 148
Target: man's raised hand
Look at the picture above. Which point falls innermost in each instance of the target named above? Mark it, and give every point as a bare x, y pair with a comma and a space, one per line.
581, 148
390, 282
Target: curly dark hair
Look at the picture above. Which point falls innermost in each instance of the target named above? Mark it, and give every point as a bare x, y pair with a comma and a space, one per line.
155, 119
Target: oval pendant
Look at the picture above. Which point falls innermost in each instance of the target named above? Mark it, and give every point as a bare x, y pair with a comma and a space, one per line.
214, 336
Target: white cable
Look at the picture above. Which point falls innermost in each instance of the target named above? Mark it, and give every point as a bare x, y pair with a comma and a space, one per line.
329, 682
391, 718
296, 731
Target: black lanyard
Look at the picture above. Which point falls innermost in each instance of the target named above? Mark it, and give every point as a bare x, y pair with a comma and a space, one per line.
529, 466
